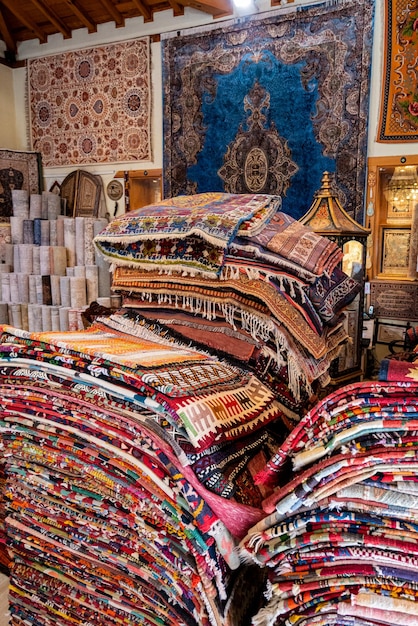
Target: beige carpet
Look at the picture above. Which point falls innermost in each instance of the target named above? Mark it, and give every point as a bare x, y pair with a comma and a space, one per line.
4, 600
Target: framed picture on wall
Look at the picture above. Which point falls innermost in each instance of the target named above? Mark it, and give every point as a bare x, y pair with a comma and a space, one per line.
400, 212
395, 254
386, 333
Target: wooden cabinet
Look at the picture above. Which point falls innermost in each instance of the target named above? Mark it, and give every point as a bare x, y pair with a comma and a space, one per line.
142, 187
392, 215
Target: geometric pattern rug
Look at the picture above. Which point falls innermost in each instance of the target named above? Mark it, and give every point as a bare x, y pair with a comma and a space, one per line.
266, 105
92, 105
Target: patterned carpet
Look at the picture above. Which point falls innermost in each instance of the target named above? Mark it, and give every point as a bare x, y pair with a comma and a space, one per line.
4, 600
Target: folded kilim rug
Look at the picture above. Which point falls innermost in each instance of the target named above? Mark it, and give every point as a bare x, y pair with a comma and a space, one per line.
238, 260
129, 462
339, 539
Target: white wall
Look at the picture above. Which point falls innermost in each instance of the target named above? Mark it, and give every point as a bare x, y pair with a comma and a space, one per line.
163, 22
8, 136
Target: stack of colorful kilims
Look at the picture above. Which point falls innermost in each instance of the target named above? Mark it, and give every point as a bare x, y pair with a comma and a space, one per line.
104, 525
340, 540
233, 273
131, 447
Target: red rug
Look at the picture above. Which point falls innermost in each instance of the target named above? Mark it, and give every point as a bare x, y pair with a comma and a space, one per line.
396, 370
93, 105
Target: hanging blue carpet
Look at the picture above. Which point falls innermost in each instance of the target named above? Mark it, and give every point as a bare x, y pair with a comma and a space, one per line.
267, 105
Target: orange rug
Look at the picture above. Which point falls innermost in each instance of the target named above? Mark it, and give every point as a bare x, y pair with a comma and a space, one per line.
399, 103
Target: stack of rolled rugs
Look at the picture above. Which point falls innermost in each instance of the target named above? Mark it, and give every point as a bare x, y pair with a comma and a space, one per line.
49, 269
340, 538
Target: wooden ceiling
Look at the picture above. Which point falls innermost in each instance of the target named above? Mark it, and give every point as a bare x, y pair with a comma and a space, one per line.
22, 20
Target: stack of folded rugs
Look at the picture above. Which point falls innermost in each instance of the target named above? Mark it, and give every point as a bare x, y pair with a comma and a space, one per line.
139, 452
340, 536
234, 273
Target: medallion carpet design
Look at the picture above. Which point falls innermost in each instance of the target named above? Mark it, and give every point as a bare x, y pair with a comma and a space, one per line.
266, 106
399, 112
93, 105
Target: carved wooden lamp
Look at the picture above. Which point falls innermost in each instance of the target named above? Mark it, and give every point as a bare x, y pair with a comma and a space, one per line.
328, 218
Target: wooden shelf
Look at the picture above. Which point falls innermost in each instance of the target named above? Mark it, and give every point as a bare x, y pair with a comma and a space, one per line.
391, 268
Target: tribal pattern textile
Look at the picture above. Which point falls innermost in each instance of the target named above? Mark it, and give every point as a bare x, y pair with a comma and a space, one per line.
289, 245
238, 260
284, 359
210, 399
405, 368
239, 293
399, 102
186, 233
341, 527
92, 105
227, 127
129, 479
348, 409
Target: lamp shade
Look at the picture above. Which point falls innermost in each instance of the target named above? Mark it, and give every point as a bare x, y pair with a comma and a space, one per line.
327, 217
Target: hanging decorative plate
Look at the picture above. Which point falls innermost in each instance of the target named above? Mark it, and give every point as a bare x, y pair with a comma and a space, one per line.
114, 190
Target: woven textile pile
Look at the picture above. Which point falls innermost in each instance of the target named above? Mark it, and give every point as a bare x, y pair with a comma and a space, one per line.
104, 525
232, 272
402, 365
131, 448
340, 536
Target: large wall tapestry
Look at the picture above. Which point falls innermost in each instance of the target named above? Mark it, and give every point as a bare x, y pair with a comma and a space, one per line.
92, 106
267, 105
399, 108
18, 170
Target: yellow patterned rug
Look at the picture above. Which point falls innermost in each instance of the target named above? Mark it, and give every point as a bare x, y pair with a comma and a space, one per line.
399, 104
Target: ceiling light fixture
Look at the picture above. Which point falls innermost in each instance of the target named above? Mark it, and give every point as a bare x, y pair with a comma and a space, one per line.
402, 189
243, 4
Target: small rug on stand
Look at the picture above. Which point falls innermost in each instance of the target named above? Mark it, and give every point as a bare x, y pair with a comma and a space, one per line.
93, 105
399, 108
267, 105
18, 170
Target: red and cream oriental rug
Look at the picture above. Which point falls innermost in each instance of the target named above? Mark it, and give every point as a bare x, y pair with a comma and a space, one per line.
92, 105
399, 108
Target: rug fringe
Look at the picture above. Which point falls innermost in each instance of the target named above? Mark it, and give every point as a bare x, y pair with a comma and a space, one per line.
239, 20
27, 109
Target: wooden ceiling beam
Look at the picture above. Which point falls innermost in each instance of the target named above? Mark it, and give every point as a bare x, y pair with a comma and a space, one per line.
112, 10
11, 6
78, 11
53, 18
144, 10
217, 8
177, 8
6, 36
